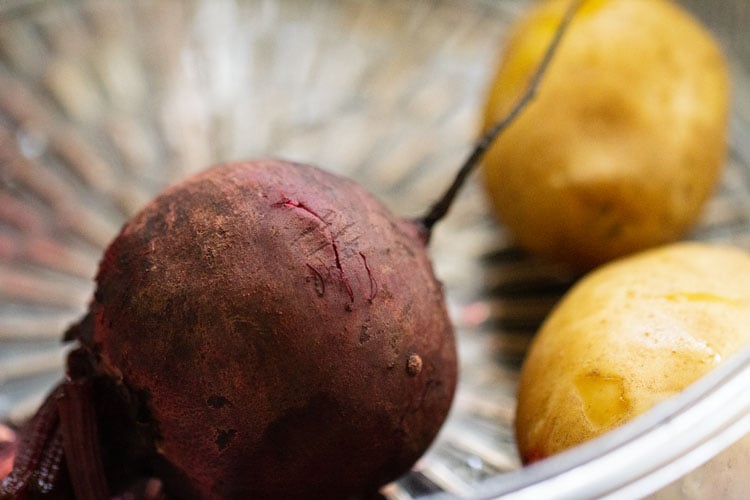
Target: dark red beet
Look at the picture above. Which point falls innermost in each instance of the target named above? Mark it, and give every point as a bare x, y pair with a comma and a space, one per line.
286, 332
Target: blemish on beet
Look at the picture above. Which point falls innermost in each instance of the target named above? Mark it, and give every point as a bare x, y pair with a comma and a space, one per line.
338, 268
217, 402
318, 281
146, 264
224, 437
373, 283
364, 335
414, 365
342, 277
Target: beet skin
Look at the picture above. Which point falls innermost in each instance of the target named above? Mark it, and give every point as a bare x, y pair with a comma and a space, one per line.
284, 331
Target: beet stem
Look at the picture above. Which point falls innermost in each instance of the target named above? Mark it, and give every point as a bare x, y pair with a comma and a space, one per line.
38, 440
441, 208
80, 440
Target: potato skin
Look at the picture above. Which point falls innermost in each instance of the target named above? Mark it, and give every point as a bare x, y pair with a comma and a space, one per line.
625, 139
272, 314
627, 336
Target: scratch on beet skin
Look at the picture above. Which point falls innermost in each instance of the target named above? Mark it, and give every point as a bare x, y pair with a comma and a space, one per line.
373, 283
341, 276
320, 283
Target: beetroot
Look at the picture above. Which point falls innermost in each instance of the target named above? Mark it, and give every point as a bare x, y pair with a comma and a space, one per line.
262, 330
270, 314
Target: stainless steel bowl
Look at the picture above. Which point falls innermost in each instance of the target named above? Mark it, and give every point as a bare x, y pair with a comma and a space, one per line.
104, 102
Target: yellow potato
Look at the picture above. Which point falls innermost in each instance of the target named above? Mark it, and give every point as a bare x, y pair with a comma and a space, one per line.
627, 336
624, 141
